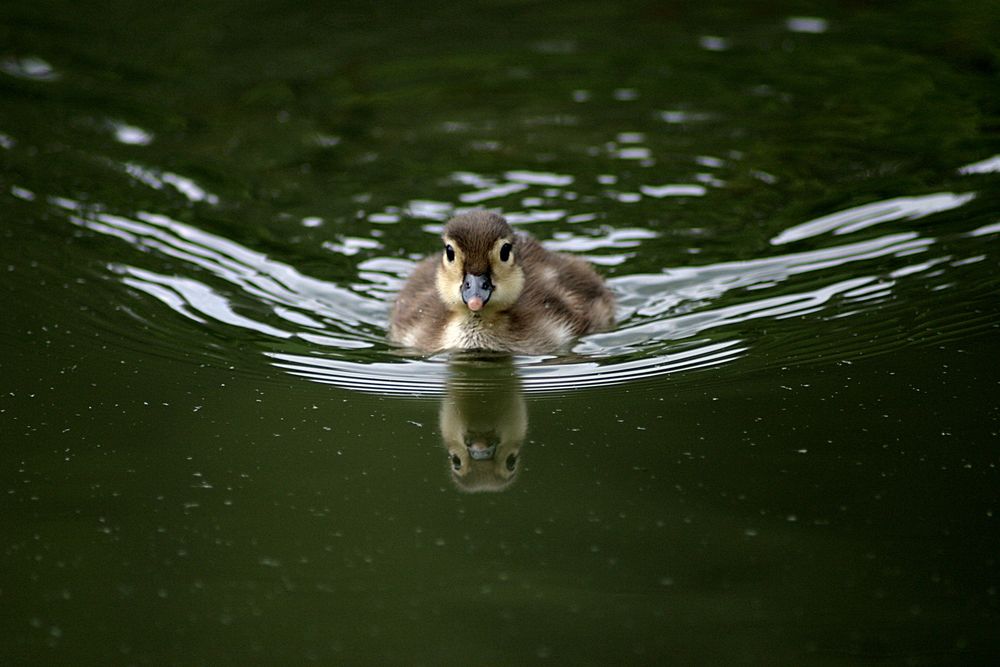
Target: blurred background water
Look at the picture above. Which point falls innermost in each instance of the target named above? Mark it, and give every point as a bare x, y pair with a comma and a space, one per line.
785, 452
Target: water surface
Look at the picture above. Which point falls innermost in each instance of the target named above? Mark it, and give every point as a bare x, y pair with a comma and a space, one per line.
785, 452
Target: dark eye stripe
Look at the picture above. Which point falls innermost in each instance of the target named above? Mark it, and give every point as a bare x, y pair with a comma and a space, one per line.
505, 252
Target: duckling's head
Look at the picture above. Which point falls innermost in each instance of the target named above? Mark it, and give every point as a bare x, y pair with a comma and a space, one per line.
479, 270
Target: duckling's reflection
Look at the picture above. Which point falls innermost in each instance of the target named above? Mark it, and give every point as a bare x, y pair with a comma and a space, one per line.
483, 421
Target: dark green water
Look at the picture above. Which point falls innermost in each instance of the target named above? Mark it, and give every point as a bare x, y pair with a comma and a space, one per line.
786, 452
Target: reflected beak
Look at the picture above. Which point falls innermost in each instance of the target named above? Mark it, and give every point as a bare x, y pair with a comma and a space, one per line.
480, 451
476, 290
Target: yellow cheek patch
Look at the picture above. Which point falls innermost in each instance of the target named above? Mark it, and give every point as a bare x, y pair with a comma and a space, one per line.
508, 277
450, 276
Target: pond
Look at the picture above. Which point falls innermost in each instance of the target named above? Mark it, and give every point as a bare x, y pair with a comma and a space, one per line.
784, 452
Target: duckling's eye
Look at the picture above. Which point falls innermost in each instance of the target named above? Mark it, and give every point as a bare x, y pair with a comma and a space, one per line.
511, 462
448, 250
505, 252
456, 462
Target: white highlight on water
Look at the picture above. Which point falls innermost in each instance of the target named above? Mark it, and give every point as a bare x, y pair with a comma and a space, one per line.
861, 217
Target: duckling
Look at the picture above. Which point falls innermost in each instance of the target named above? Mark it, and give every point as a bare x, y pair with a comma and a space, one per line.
494, 289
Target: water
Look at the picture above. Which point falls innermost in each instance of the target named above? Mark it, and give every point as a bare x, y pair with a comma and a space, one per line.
785, 452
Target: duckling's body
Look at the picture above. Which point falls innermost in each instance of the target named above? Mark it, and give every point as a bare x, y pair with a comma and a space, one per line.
494, 289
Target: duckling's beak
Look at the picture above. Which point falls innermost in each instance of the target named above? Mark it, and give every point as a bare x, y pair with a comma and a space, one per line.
476, 290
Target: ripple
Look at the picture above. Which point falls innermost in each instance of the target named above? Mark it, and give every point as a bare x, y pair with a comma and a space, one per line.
131, 135
683, 117
246, 277
157, 179
492, 192
713, 43
31, 68
806, 24
673, 190
861, 217
539, 178
671, 323
191, 298
429, 378
988, 166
